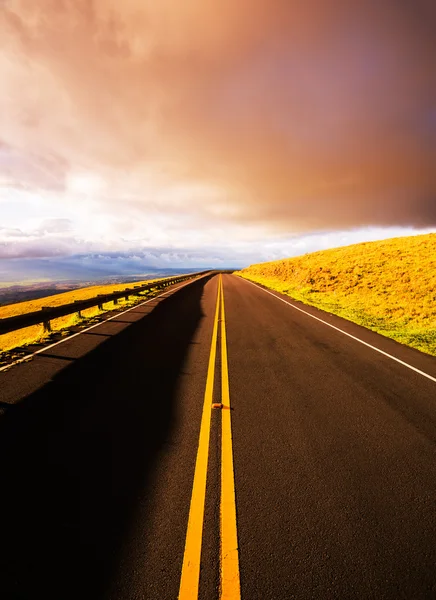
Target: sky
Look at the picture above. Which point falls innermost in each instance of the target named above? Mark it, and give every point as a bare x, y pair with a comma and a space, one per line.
212, 133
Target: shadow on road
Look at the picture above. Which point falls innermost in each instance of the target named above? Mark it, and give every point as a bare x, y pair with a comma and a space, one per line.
74, 455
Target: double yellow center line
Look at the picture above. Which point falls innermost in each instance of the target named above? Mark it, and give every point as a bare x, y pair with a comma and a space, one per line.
229, 559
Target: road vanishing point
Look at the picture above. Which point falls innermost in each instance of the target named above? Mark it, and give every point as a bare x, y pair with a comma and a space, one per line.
219, 442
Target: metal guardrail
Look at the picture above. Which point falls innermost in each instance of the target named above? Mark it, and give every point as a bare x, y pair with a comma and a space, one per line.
46, 314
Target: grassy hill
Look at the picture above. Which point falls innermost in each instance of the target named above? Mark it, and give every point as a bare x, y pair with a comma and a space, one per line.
387, 286
36, 333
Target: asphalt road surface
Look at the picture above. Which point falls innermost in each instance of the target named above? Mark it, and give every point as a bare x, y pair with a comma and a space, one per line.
312, 477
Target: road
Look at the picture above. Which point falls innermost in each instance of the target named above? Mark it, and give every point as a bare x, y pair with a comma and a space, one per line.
320, 457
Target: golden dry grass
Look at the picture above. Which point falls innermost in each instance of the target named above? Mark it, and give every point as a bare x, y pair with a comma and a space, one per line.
36, 333
387, 286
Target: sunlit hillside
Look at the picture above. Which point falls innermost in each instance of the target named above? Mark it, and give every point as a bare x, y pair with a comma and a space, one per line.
387, 286
36, 333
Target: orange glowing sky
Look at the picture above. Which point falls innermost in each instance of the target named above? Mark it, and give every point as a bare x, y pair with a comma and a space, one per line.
214, 131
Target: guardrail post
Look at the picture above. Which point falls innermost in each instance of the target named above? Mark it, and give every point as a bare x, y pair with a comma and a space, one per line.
79, 312
46, 324
100, 304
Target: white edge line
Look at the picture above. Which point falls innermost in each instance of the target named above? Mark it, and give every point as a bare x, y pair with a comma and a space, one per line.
344, 332
70, 337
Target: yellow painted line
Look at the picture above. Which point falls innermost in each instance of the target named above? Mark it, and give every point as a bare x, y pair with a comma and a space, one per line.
190, 576
229, 557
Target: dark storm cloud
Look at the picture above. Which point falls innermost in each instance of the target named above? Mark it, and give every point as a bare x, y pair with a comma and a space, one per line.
304, 115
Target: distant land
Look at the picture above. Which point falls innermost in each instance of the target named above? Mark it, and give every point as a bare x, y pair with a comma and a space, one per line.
13, 292
98, 267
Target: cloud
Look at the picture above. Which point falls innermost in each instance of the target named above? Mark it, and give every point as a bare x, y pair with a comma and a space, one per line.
37, 247
171, 120
51, 237
12, 233
55, 226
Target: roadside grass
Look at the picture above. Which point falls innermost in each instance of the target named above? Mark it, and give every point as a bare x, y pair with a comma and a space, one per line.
61, 326
388, 286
